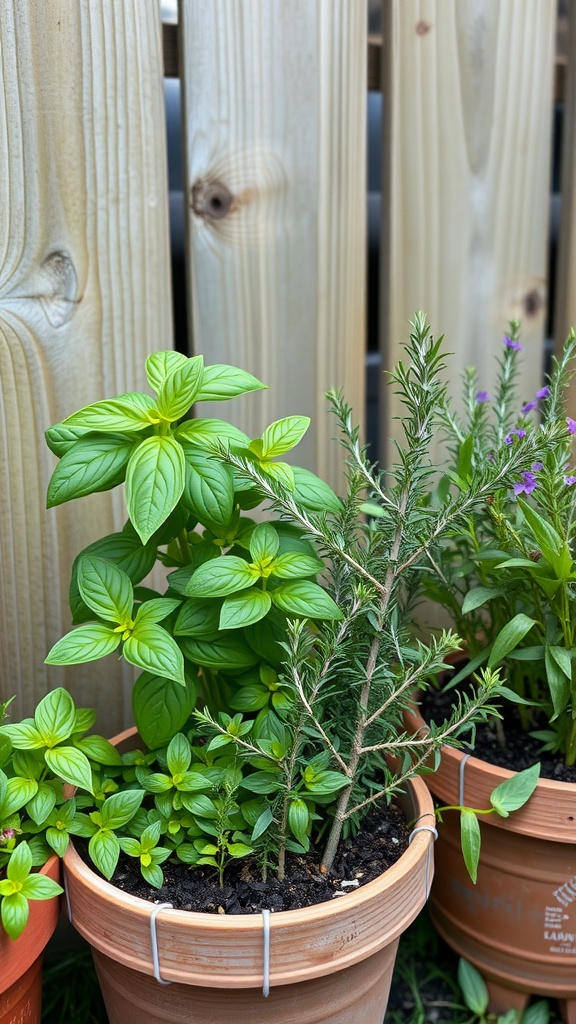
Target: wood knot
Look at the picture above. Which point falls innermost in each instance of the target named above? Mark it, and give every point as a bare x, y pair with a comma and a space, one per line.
422, 27
211, 200
532, 303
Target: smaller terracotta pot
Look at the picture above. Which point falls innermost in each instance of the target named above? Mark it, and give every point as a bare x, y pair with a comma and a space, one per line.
21, 959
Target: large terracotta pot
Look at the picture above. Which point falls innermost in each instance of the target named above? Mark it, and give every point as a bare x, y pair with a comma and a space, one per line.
518, 923
329, 963
21, 959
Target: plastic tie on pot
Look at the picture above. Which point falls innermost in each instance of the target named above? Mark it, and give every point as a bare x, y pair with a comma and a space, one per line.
461, 779
266, 958
434, 831
67, 894
154, 941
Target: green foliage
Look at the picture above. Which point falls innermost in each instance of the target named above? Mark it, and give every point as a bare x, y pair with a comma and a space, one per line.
506, 573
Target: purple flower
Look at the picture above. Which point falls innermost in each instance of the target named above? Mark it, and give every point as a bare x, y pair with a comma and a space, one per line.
537, 466
527, 484
570, 480
543, 393
514, 345
528, 406
571, 425
515, 433
482, 396
6, 834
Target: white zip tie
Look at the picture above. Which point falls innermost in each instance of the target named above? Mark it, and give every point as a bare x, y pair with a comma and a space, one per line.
266, 962
154, 941
67, 894
461, 779
434, 831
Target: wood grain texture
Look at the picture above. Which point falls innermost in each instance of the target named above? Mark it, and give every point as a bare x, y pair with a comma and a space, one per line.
84, 296
468, 89
275, 99
565, 306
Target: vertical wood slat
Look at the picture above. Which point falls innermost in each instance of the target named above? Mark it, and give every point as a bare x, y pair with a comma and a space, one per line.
468, 89
565, 305
275, 98
84, 296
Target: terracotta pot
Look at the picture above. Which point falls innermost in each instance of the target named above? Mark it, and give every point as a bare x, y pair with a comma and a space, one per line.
518, 923
21, 959
329, 963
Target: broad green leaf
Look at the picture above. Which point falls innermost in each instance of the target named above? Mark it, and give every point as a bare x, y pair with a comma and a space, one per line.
178, 754
157, 609
198, 617
298, 820
245, 608
478, 596
24, 735
537, 1013
39, 887
126, 550
370, 508
14, 910
228, 652
130, 846
470, 840
281, 472
264, 542
42, 803
251, 697
205, 433
473, 988
562, 658
18, 792
201, 806
513, 793
152, 874
127, 412
179, 389
283, 435
86, 643
159, 365
239, 849
57, 841
70, 764
558, 683
151, 648
326, 782
20, 863
294, 566
55, 717
104, 850
99, 749
263, 782
509, 637
220, 577
154, 483
264, 820
221, 381
105, 588
60, 438
93, 464
465, 453
306, 600
208, 489
313, 493
161, 707
119, 808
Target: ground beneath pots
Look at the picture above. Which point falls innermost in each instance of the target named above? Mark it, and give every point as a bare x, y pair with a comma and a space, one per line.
382, 840
520, 749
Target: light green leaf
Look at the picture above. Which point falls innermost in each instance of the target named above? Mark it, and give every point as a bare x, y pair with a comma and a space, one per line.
558, 684
229, 651
60, 438
562, 658
326, 782
201, 806
105, 588
221, 381
264, 542
55, 717
473, 988
198, 617
470, 840
208, 489
42, 803
119, 808
298, 820
94, 464
156, 609
18, 792
313, 493
14, 910
179, 389
70, 764
478, 596
159, 365
263, 821
127, 412
24, 735
178, 754
513, 793
205, 433
239, 849
130, 846
39, 887
283, 435
104, 850
20, 863
57, 841
294, 566
281, 472
509, 637
86, 643
152, 874
245, 608
220, 577
306, 600
263, 782
161, 707
99, 749
151, 648
154, 483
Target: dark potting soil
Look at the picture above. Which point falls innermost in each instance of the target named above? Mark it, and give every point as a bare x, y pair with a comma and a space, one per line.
520, 750
382, 840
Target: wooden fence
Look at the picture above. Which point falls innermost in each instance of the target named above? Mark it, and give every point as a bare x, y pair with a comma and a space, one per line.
275, 142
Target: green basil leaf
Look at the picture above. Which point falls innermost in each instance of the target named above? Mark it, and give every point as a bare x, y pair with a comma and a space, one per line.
151, 648
264, 820
263, 782
245, 608
57, 841
157, 609
558, 684
283, 435
179, 388
55, 717
20, 863
130, 846
220, 577
127, 412
264, 542
313, 493
306, 600
178, 754
70, 764
86, 643
294, 566
159, 366
161, 707
94, 464
239, 849
206, 433
60, 438
478, 596
208, 489
18, 792
326, 782
42, 803
221, 381
251, 697
298, 820
154, 483
105, 588
228, 652
201, 806
509, 637
14, 910
98, 749
104, 850
24, 735
470, 840
281, 472
152, 874
119, 808
39, 887
513, 793
473, 988
198, 617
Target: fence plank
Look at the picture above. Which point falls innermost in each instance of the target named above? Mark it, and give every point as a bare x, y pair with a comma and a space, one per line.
84, 294
468, 88
275, 99
565, 307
